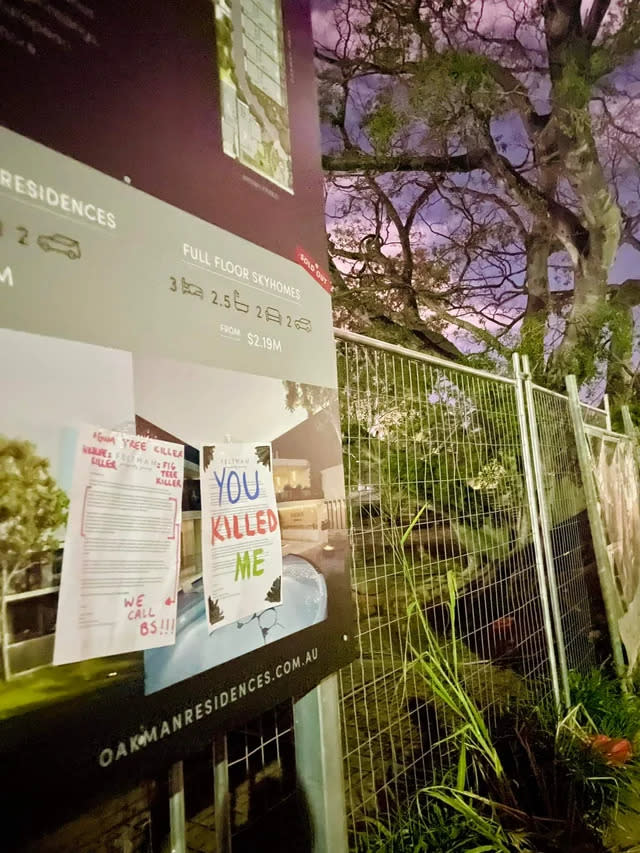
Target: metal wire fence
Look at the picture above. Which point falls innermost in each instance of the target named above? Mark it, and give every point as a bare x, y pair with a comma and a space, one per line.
261, 783
596, 417
581, 625
485, 469
422, 437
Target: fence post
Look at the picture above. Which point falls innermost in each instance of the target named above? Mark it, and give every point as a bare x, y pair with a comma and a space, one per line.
607, 408
535, 527
603, 562
319, 765
221, 798
545, 523
177, 832
629, 427
632, 432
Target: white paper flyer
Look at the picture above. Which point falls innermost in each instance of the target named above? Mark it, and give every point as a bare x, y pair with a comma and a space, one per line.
241, 546
121, 557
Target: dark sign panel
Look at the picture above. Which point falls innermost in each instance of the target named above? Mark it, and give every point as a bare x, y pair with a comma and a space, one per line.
161, 276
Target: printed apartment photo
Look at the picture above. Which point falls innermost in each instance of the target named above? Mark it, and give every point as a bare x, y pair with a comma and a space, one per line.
52, 386
198, 406
252, 69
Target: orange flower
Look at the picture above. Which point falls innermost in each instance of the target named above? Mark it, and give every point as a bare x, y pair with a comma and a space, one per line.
614, 751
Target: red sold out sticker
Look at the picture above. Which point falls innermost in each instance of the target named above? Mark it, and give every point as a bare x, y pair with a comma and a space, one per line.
313, 268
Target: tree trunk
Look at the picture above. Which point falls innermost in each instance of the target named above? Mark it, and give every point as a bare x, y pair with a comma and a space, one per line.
596, 242
537, 311
619, 369
589, 311
582, 323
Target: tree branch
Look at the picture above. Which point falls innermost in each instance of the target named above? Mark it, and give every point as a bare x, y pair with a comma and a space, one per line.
627, 293
562, 23
359, 161
570, 229
631, 240
594, 19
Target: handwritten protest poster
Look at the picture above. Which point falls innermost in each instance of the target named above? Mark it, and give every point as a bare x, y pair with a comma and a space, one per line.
241, 546
121, 557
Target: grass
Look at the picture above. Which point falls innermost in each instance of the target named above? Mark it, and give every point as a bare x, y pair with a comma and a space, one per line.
436, 827
534, 782
439, 668
540, 786
613, 711
473, 821
52, 684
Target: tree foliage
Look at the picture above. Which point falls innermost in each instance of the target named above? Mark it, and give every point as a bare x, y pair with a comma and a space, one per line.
482, 190
32, 510
32, 506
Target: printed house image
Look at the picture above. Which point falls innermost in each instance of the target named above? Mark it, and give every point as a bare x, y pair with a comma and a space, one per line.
308, 492
31, 603
308, 485
302, 518
51, 388
308, 480
308, 477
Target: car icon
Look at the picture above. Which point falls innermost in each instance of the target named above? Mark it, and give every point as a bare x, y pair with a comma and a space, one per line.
303, 324
272, 315
59, 243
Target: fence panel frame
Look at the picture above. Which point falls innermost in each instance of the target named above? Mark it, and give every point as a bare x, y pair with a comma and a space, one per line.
605, 575
361, 368
545, 524
541, 540
319, 765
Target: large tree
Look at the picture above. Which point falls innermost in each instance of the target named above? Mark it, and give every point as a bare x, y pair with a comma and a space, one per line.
482, 192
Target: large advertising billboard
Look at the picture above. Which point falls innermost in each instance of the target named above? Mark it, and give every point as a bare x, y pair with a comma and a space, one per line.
165, 335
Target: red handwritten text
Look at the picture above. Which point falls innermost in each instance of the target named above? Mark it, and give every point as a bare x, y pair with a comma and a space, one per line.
134, 444
225, 527
109, 439
100, 456
176, 452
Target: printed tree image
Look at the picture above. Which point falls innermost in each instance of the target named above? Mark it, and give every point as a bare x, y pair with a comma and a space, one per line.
32, 510
311, 398
263, 452
208, 454
274, 596
215, 611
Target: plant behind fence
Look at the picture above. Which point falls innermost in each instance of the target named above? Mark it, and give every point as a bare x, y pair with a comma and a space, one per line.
439, 453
